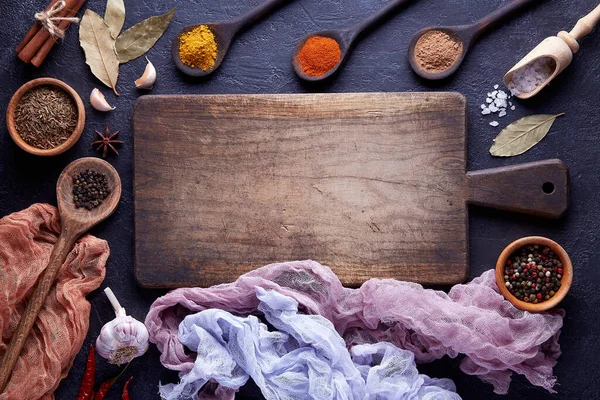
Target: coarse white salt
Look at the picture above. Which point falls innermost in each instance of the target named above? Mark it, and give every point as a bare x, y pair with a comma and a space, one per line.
527, 78
497, 101
494, 123
500, 103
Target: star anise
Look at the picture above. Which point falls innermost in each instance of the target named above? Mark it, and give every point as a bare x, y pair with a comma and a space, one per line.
106, 142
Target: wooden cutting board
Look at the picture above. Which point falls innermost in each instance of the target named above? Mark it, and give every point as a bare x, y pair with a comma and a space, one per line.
371, 185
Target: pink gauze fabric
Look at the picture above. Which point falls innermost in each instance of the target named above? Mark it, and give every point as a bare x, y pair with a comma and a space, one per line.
26, 241
472, 319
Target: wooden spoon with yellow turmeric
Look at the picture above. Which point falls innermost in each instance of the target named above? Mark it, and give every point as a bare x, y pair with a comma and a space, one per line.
199, 49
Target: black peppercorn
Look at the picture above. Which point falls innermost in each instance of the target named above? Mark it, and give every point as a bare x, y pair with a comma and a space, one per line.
89, 189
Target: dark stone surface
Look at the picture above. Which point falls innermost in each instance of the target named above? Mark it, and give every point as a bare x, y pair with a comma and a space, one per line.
259, 62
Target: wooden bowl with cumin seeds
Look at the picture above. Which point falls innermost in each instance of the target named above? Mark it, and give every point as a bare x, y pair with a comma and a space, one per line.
60, 109
566, 279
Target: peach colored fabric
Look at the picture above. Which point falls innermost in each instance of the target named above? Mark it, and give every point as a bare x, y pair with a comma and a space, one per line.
26, 241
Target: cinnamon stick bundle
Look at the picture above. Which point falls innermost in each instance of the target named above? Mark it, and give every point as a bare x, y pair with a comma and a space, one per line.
38, 42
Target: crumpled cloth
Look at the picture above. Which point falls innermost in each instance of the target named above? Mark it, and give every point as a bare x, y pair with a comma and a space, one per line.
303, 358
472, 319
26, 241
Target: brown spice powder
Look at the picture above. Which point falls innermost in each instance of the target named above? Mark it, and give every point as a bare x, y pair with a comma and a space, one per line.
436, 51
45, 117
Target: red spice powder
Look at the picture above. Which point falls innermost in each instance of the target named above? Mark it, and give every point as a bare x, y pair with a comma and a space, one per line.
318, 55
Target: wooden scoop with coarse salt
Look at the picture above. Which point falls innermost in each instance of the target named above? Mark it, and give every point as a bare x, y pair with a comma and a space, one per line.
556, 52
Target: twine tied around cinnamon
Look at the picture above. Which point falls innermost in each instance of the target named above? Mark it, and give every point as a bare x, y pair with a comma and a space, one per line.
49, 20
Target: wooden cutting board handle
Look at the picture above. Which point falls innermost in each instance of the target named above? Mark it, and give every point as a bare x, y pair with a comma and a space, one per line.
539, 188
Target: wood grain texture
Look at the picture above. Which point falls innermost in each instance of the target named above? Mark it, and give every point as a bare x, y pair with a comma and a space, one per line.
372, 185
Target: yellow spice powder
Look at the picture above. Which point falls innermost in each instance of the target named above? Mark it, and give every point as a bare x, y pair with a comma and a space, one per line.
198, 48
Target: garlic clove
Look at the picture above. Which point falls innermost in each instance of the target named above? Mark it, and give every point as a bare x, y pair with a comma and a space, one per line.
146, 81
99, 102
122, 339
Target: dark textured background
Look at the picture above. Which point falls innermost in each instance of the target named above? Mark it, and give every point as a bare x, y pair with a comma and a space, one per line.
259, 62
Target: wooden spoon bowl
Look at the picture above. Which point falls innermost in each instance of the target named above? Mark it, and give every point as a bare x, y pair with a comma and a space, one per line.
81, 219
10, 117
224, 33
344, 38
74, 223
566, 280
465, 34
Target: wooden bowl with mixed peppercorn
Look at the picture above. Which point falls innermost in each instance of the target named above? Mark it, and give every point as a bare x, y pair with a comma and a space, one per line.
45, 117
534, 273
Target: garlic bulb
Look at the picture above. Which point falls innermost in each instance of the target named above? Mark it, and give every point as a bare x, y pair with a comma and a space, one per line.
146, 81
123, 338
99, 102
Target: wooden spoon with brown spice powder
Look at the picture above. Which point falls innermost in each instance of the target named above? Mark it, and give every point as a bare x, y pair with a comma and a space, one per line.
437, 52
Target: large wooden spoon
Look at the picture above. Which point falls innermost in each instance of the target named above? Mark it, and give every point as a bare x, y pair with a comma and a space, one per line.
345, 39
466, 34
75, 222
224, 33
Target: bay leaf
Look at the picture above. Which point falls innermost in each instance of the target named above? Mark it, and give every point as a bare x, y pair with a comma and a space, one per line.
522, 135
99, 48
114, 16
140, 38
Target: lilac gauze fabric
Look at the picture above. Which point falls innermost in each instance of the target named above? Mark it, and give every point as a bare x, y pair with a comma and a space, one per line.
472, 319
303, 358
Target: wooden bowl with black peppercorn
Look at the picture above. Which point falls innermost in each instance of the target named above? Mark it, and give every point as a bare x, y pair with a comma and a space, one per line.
544, 264
58, 110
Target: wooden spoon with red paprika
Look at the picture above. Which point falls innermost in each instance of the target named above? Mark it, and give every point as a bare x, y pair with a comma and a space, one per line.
345, 39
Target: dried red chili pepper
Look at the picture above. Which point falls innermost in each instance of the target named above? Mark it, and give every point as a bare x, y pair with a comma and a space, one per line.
89, 376
106, 385
104, 388
125, 395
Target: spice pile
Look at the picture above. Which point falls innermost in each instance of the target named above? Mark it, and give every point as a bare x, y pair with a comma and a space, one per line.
45, 117
437, 51
497, 101
532, 75
198, 48
318, 55
89, 189
533, 273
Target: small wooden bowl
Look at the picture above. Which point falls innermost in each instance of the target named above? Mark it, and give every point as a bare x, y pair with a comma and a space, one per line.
10, 117
566, 280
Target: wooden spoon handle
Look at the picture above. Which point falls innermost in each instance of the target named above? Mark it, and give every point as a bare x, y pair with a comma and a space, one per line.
500, 14
258, 13
586, 24
59, 254
539, 188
